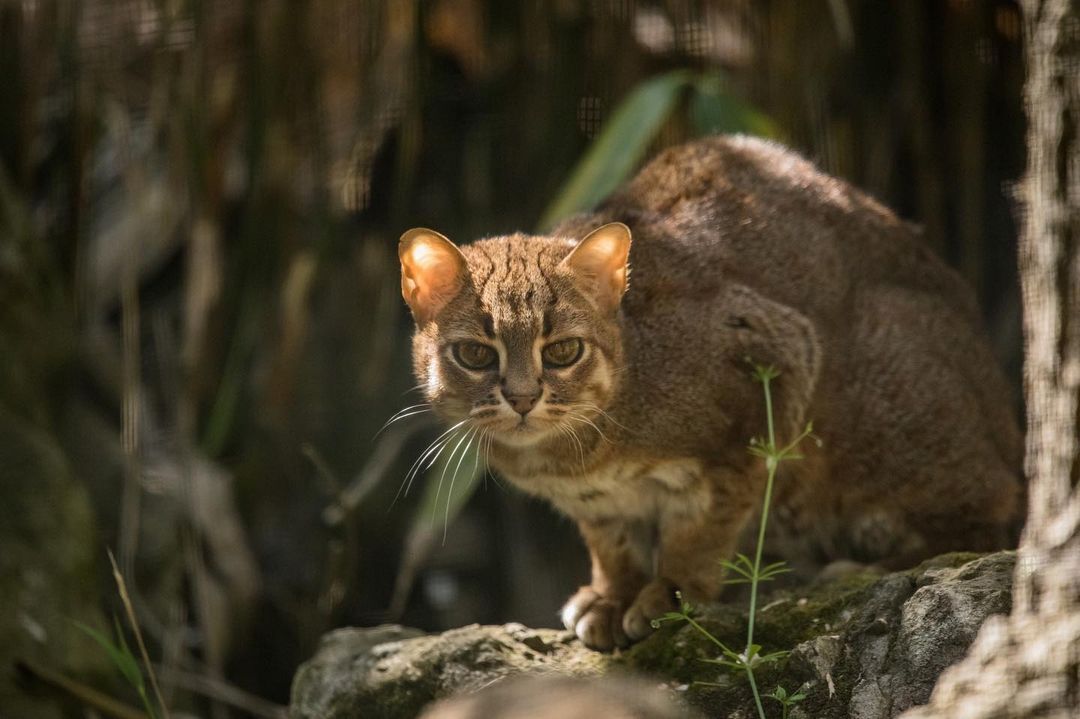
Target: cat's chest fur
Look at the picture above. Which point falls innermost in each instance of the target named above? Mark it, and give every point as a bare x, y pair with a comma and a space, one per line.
623, 487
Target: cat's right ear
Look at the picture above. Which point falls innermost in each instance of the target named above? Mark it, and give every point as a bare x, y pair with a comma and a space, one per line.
433, 271
600, 262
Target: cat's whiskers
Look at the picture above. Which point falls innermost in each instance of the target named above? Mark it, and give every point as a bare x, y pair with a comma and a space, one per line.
479, 449
573, 436
401, 414
602, 412
487, 461
585, 420
562, 431
437, 446
453, 478
442, 476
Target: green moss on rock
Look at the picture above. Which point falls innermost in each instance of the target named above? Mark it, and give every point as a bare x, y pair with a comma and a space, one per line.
861, 646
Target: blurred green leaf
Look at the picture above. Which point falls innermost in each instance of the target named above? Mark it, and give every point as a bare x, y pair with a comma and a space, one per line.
122, 657
713, 108
450, 482
123, 660
450, 479
625, 138
620, 146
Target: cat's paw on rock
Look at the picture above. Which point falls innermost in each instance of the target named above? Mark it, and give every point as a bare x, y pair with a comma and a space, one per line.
596, 620
653, 601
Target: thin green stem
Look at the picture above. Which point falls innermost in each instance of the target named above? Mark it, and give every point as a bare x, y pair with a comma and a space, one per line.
765, 380
773, 457
754, 689
705, 632
771, 463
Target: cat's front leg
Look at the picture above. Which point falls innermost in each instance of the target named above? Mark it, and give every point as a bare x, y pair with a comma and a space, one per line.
691, 549
621, 562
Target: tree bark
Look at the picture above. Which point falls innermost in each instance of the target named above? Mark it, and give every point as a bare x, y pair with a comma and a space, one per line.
1027, 664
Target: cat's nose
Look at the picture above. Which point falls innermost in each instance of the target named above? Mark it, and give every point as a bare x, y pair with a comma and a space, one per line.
522, 403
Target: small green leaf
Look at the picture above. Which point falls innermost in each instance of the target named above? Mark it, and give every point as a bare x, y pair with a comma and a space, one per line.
120, 655
771, 571
769, 658
733, 665
741, 571
765, 373
668, 617
707, 684
129, 665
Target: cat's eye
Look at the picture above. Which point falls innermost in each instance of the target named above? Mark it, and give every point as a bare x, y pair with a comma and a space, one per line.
474, 355
563, 353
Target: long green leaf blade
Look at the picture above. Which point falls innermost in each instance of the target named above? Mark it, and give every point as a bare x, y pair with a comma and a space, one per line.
448, 484
714, 108
619, 147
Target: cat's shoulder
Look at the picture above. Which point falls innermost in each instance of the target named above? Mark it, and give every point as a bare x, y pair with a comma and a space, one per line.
726, 156
715, 151
741, 175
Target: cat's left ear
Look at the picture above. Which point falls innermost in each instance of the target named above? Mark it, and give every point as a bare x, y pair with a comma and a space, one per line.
600, 262
433, 271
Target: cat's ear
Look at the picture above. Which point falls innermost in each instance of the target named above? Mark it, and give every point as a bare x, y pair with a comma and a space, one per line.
433, 271
600, 262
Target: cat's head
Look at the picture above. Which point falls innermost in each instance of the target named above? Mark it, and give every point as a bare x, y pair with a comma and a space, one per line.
518, 334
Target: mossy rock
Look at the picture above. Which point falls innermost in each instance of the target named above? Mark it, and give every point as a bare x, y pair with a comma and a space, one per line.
862, 646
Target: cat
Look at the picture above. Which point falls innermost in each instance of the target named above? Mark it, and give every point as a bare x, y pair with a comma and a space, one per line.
604, 367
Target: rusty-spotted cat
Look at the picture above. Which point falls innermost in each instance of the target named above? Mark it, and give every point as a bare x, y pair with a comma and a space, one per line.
627, 402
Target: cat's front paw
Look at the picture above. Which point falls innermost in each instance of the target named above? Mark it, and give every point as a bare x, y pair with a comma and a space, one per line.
654, 600
596, 620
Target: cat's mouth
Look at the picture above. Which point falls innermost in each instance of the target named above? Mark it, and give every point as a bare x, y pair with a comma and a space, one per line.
521, 431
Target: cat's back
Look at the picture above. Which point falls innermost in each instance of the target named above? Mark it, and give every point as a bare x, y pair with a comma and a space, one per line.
738, 208
743, 249
738, 222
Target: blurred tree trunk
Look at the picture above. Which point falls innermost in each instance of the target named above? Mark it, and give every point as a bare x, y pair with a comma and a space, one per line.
1028, 664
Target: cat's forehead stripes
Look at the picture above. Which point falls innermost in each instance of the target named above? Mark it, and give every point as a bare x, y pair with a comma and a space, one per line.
513, 280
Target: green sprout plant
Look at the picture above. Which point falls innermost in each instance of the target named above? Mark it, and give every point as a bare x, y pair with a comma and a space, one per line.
786, 700
750, 571
124, 660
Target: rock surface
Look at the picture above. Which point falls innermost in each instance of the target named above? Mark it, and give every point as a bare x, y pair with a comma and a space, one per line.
861, 648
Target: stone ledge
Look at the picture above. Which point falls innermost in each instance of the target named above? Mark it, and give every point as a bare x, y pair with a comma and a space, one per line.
864, 646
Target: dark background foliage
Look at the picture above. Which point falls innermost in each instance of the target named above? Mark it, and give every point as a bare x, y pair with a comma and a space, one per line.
199, 304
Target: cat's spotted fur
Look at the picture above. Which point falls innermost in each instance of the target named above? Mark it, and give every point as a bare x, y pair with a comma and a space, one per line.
740, 250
